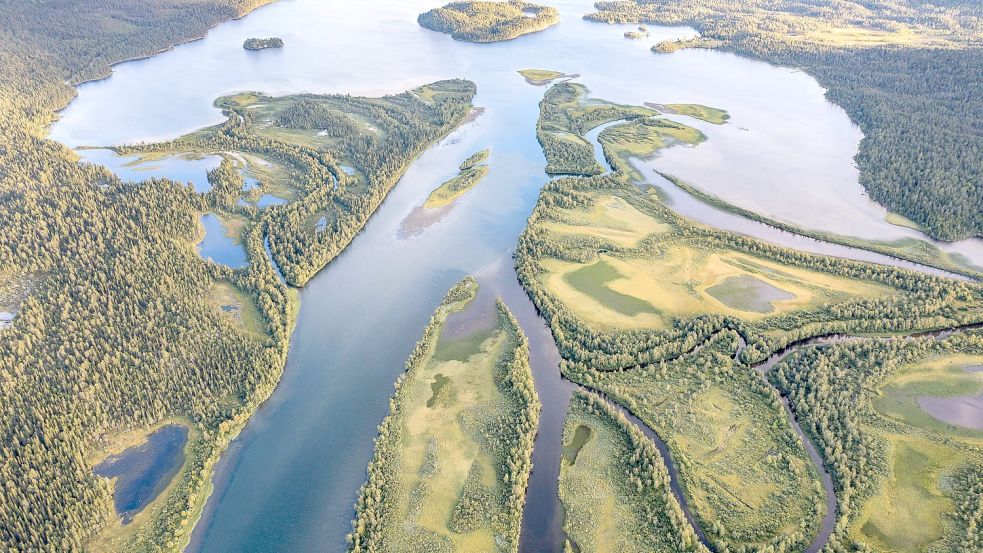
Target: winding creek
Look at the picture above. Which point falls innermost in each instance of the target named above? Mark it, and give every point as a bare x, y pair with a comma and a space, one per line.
288, 482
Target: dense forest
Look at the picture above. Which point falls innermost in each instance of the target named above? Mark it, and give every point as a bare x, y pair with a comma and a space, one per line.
262, 43
489, 21
908, 74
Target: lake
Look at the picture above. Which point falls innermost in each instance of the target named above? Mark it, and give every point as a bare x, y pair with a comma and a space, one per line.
289, 481
144, 470
218, 246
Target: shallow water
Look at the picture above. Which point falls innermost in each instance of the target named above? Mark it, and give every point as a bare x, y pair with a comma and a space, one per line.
965, 410
177, 168
218, 246
289, 481
143, 471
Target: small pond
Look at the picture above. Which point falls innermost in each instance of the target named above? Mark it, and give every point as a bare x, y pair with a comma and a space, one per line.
962, 410
747, 293
143, 471
218, 246
177, 168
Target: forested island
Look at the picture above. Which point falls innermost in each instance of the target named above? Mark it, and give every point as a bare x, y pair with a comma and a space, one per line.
262, 43
453, 457
472, 170
489, 21
895, 69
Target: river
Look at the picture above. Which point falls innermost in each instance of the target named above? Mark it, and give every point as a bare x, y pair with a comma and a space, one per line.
289, 481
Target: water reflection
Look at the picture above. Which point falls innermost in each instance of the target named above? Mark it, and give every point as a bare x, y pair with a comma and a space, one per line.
218, 246
177, 168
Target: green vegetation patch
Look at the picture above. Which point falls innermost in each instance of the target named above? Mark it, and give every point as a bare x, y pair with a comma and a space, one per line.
238, 308
489, 21
698, 111
905, 481
642, 138
453, 457
592, 280
474, 159
262, 43
745, 473
543, 77
614, 486
469, 176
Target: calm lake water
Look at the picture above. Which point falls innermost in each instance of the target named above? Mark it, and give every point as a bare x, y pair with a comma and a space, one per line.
289, 481
176, 168
143, 471
218, 246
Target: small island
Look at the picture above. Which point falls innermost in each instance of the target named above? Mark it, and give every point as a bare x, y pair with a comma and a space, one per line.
471, 172
262, 43
489, 21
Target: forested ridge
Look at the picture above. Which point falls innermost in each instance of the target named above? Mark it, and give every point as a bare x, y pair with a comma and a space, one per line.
909, 74
116, 332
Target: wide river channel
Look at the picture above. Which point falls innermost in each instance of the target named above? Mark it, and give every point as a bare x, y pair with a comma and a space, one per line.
289, 481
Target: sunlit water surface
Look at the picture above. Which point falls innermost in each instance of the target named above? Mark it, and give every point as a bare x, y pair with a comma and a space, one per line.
289, 481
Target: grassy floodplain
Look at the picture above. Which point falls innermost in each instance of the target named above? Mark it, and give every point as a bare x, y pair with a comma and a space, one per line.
472, 170
906, 481
611, 266
605, 511
747, 477
651, 308
606, 260
238, 308
489, 21
453, 457
566, 113
543, 77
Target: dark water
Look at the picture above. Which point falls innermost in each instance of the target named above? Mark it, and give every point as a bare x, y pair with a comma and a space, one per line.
143, 471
